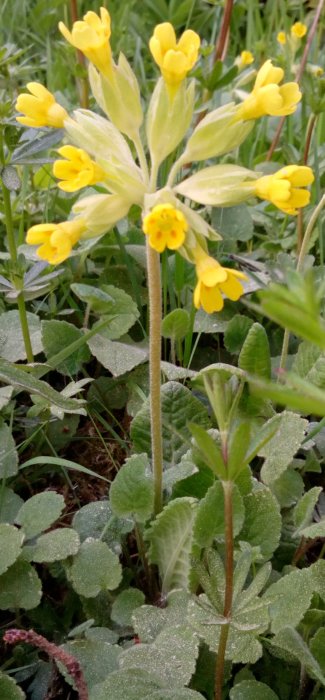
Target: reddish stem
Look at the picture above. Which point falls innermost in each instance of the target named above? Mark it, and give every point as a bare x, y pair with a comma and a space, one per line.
14, 636
298, 74
221, 45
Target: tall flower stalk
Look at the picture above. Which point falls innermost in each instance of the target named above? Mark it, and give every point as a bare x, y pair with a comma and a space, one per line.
126, 179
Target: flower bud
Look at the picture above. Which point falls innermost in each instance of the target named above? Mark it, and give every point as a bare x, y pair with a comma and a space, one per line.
168, 121
40, 108
219, 185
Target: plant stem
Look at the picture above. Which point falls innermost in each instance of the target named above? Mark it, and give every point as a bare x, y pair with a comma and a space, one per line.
302, 254
224, 31
229, 570
300, 221
14, 259
299, 73
155, 301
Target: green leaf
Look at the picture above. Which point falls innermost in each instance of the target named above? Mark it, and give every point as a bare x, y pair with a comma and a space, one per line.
238, 446
315, 530
12, 346
60, 334
252, 690
280, 450
11, 540
8, 453
10, 178
55, 545
118, 358
10, 503
125, 685
234, 223
209, 449
109, 301
64, 464
95, 568
303, 512
9, 690
255, 356
209, 522
236, 332
171, 657
179, 407
124, 605
97, 659
286, 608
170, 537
262, 526
317, 648
20, 587
309, 363
176, 324
97, 521
10, 374
132, 492
288, 488
175, 694
306, 398
291, 641
149, 621
5, 395
39, 512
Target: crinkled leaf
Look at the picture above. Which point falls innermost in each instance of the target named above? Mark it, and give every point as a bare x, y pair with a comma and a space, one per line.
262, 525
60, 334
132, 492
282, 447
171, 657
317, 648
8, 453
252, 690
97, 659
288, 488
20, 587
96, 518
39, 512
12, 346
11, 540
149, 620
95, 568
236, 332
10, 503
179, 407
109, 301
170, 537
126, 685
9, 690
255, 355
55, 545
124, 605
286, 608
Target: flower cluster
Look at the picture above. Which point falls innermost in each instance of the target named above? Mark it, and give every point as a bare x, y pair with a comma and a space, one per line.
97, 153
297, 32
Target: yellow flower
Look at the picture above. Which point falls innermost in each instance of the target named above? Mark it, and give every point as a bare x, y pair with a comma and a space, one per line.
213, 280
40, 108
282, 38
298, 30
78, 170
284, 188
91, 37
267, 97
245, 59
175, 59
166, 227
56, 239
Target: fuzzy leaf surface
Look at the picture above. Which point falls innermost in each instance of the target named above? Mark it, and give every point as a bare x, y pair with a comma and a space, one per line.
282, 447
262, 526
132, 493
95, 568
39, 512
252, 690
20, 587
255, 355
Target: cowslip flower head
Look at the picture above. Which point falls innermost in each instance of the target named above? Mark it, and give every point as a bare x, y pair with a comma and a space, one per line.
282, 38
175, 59
246, 58
267, 97
40, 108
298, 30
77, 171
285, 188
213, 281
91, 36
166, 227
56, 240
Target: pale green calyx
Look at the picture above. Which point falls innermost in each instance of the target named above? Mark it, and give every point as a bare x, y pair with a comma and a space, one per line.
168, 120
219, 185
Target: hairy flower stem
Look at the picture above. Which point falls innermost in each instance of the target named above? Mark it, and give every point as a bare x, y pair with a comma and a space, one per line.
302, 255
155, 301
229, 569
14, 259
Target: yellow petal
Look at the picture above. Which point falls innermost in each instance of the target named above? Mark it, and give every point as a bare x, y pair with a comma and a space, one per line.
268, 74
165, 34
232, 288
39, 233
211, 299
